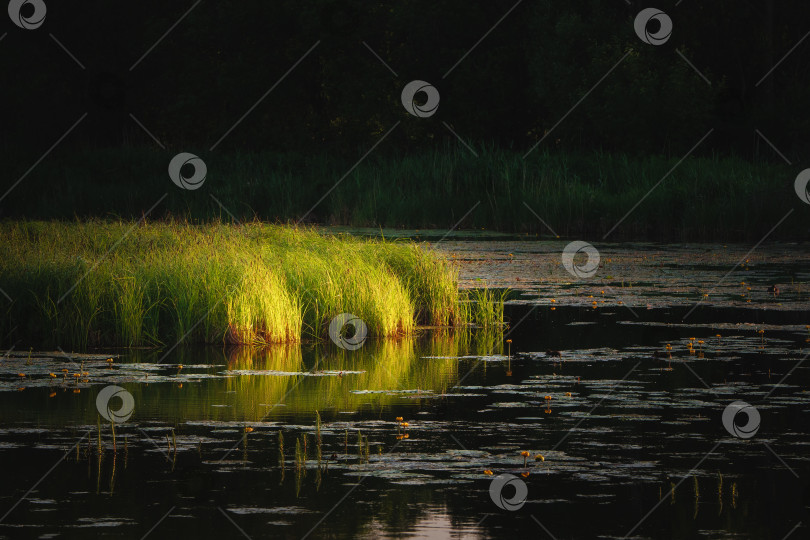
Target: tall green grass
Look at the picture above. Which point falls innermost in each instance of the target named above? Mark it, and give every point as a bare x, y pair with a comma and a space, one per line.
97, 283
580, 194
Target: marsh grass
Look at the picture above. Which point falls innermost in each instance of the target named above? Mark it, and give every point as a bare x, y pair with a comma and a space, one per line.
300, 458
577, 193
98, 283
485, 306
318, 440
281, 456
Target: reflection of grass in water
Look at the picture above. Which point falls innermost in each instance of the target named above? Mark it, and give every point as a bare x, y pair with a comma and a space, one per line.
207, 399
385, 365
388, 366
81, 284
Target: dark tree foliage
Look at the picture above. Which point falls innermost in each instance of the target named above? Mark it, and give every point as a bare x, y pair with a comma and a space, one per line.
510, 90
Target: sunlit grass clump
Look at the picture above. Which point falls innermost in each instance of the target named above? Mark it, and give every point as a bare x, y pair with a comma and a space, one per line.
98, 283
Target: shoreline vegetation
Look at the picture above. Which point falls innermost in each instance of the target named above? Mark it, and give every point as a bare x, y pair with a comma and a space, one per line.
578, 194
96, 283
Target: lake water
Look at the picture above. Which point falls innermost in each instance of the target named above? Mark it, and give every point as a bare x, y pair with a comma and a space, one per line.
619, 381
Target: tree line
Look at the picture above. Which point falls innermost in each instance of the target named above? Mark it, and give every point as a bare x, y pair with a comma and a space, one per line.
726, 66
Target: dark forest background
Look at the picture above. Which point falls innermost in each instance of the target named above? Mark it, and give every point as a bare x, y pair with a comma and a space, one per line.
504, 96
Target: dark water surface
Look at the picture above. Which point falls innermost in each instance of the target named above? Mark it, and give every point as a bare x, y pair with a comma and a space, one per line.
632, 441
